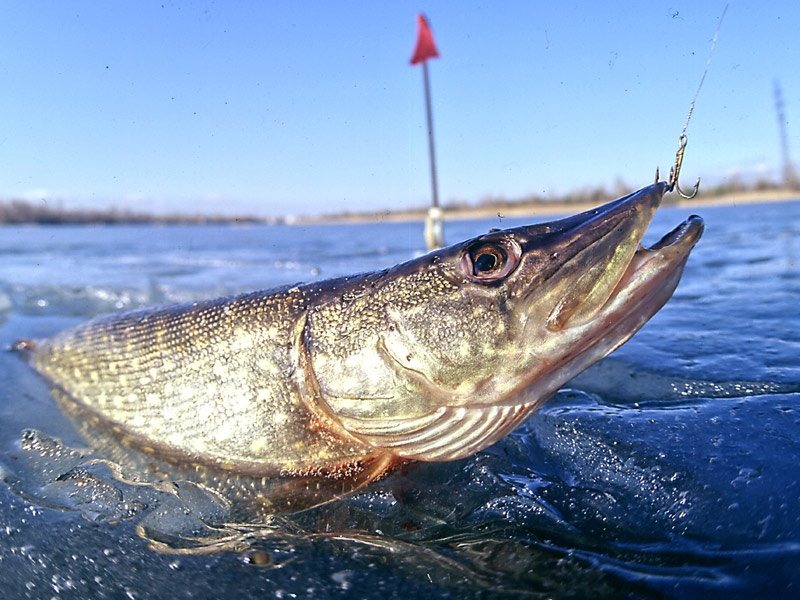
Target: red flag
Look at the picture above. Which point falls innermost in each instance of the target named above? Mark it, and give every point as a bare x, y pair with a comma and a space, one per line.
426, 47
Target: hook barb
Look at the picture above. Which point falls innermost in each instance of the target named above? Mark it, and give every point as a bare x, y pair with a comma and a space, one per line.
675, 171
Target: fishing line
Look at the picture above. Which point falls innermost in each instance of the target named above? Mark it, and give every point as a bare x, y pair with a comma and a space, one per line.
705, 72
676, 169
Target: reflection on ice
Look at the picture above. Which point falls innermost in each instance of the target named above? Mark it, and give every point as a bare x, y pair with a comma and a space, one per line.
588, 488
623, 383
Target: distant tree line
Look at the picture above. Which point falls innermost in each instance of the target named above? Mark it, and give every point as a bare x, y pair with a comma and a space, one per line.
601, 194
587, 196
591, 195
21, 212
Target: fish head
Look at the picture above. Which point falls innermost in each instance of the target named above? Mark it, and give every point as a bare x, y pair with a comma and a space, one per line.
450, 351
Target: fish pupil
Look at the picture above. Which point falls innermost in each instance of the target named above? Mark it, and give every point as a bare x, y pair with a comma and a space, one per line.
485, 262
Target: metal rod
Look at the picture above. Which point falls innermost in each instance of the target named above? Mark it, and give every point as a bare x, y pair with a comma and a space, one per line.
433, 223
429, 113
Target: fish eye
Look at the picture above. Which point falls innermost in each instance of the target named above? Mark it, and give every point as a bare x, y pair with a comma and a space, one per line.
490, 261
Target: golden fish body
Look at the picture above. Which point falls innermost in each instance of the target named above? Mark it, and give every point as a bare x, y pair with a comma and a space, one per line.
434, 359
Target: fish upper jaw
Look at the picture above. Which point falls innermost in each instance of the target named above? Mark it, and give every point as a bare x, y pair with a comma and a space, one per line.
646, 284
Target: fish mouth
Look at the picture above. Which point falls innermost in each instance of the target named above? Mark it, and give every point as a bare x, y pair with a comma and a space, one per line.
651, 268
600, 257
653, 273
629, 295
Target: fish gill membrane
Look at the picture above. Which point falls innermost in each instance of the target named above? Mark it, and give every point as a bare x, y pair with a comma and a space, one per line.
206, 421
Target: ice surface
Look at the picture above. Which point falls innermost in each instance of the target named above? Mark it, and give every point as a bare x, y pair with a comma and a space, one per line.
672, 469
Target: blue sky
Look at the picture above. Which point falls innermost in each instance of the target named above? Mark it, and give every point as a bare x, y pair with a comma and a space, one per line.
282, 107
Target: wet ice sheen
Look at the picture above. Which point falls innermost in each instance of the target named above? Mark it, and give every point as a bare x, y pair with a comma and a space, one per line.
671, 469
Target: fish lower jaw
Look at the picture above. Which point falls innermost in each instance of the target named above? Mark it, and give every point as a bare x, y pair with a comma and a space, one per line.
669, 253
646, 285
645, 290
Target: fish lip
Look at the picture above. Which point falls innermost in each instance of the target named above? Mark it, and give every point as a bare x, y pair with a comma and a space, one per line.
667, 254
687, 233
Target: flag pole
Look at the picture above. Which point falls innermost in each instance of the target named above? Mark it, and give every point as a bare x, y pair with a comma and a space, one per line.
433, 222
424, 50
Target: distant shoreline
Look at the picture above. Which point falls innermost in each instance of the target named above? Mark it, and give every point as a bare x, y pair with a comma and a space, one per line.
543, 208
22, 213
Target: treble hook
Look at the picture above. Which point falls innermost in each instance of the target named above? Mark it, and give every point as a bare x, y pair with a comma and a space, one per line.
675, 172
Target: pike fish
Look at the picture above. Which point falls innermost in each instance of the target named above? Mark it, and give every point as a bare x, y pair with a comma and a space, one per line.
431, 360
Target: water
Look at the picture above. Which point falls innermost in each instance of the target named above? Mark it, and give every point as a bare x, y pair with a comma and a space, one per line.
670, 469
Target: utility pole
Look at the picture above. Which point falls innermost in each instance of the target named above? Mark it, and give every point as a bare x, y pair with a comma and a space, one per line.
790, 179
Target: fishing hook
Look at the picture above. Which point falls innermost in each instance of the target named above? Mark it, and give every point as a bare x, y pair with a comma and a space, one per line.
675, 171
